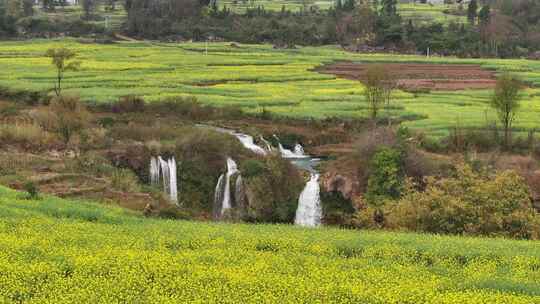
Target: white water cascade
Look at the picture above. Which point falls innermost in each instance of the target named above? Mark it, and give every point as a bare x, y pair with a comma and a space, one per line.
249, 143
309, 212
165, 170
232, 169
154, 171
286, 153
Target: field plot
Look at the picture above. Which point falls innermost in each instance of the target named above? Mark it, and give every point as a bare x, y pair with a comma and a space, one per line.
57, 251
257, 77
439, 77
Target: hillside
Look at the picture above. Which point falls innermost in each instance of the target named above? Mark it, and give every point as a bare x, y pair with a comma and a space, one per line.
52, 250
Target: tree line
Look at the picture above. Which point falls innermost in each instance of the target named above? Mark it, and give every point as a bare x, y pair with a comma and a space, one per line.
497, 28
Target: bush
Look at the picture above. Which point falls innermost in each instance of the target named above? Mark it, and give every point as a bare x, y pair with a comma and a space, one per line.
70, 116
125, 180
386, 176
27, 135
252, 168
273, 196
468, 203
130, 103
31, 190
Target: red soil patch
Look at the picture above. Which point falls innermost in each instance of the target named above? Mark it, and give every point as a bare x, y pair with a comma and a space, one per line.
442, 77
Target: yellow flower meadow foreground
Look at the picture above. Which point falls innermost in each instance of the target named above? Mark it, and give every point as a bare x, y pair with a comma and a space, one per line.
57, 251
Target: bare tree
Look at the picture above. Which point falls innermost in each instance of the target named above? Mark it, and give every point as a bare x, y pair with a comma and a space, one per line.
506, 102
379, 85
62, 59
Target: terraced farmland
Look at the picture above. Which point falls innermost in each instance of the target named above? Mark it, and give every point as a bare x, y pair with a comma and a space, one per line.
257, 77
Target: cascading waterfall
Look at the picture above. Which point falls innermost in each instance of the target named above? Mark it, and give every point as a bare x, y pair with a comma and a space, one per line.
223, 195
154, 171
173, 185
166, 171
165, 174
218, 196
309, 212
249, 143
299, 150
286, 153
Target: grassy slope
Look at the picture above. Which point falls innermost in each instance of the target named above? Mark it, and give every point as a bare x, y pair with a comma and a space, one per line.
55, 251
253, 77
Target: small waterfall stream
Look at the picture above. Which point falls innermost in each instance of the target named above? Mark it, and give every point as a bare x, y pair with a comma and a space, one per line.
232, 169
309, 211
165, 171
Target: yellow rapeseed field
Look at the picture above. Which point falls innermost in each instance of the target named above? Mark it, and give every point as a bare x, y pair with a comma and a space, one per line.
57, 251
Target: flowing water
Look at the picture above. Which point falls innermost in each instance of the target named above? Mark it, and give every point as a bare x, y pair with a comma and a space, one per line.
165, 171
232, 169
309, 211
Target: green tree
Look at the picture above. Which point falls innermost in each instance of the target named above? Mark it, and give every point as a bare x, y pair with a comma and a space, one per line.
472, 11
389, 7
484, 15
386, 177
62, 59
506, 102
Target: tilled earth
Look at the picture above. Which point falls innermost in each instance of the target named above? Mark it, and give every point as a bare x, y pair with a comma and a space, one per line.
443, 77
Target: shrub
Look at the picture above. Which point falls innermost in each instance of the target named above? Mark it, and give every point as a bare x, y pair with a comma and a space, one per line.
386, 178
129, 103
31, 190
252, 168
274, 195
28, 135
144, 132
125, 180
106, 122
472, 203
337, 210
70, 116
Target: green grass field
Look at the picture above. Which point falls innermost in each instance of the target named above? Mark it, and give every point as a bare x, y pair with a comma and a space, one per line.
256, 77
58, 251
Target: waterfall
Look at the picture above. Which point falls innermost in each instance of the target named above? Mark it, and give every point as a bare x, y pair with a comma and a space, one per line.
309, 212
218, 196
249, 143
166, 171
232, 169
286, 153
173, 185
154, 171
299, 150
165, 174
